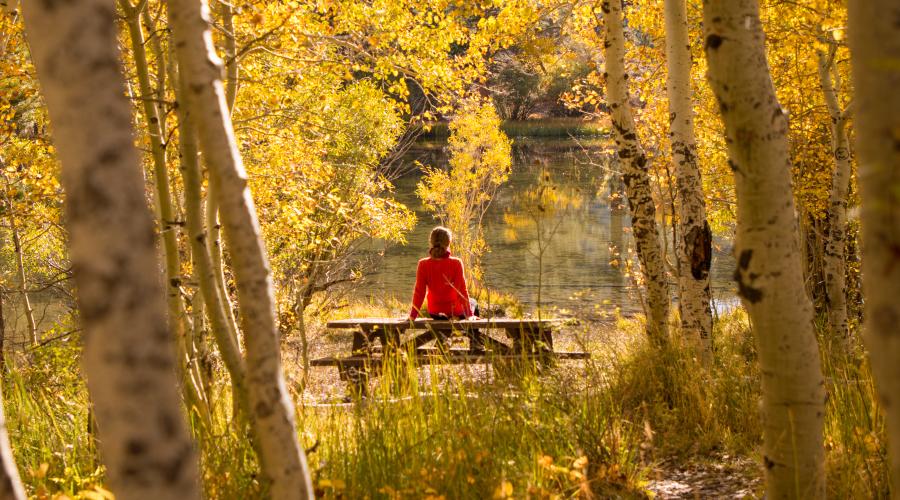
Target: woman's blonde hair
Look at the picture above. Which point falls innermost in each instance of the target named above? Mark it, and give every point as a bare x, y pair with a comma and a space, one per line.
439, 241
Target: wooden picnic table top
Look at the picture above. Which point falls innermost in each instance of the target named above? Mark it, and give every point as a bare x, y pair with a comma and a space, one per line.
426, 323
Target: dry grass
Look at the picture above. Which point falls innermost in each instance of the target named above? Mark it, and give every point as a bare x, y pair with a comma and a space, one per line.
599, 426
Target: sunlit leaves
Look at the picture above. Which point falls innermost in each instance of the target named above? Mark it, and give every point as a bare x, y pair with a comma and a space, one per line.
30, 194
480, 161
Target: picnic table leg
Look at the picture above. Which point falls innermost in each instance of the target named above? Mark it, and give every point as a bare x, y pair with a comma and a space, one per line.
361, 341
523, 343
529, 345
357, 375
545, 346
507, 367
389, 338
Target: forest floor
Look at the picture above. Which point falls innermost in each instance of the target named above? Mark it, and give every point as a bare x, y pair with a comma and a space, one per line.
685, 473
634, 421
720, 476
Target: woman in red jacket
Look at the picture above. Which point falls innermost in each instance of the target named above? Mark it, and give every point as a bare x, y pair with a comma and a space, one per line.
440, 277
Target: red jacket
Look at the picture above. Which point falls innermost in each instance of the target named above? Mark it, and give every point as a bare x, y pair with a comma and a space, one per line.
446, 286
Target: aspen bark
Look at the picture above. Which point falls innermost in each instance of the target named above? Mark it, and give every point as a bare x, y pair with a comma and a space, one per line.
226, 12
874, 38
693, 247
128, 355
168, 227
212, 206
767, 245
162, 67
189, 153
635, 173
23, 282
214, 242
30, 324
215, 309
283, 460
836, 234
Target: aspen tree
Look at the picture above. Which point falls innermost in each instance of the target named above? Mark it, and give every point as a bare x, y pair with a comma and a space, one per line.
23, 281
210, 302
694, 244
128, 353
635, 173
214, 240
226, 12
874, 39
836, 235
20, 263
165, 212
212, 299
767, 245
282, 459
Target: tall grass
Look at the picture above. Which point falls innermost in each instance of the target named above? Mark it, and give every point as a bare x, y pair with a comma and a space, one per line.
462, 437
47, 418
856, 459
690, 411
467, 432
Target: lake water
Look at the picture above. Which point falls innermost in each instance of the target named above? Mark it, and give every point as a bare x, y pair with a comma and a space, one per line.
578, 275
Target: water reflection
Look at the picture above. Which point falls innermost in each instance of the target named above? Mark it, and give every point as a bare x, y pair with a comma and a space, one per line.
583, 265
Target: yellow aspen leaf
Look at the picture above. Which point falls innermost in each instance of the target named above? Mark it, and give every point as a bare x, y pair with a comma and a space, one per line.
504, 490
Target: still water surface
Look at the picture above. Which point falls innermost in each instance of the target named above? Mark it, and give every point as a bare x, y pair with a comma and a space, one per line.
577, 273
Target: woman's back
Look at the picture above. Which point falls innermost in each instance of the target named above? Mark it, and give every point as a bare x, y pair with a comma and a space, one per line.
445, 284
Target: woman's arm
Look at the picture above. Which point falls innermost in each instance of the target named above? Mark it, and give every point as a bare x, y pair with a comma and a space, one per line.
418, 291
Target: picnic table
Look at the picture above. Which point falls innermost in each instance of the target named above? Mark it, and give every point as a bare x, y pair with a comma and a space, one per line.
377, 339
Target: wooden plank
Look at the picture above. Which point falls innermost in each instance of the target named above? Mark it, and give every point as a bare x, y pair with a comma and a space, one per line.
425, 323
455, 356
416, 343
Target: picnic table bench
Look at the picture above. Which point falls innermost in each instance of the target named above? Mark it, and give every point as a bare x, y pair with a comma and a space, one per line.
525, 340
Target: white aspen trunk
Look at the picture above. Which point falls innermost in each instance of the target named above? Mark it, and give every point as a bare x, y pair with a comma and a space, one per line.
128, 355
874, 38
214, 242
212, 215
282, 459
635, 173
836, 234
167, 225
693, 247
162, 67
304, 335
226, 12
30, 324
23, 282
767, 245
212, 232
215, 311
10, 483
